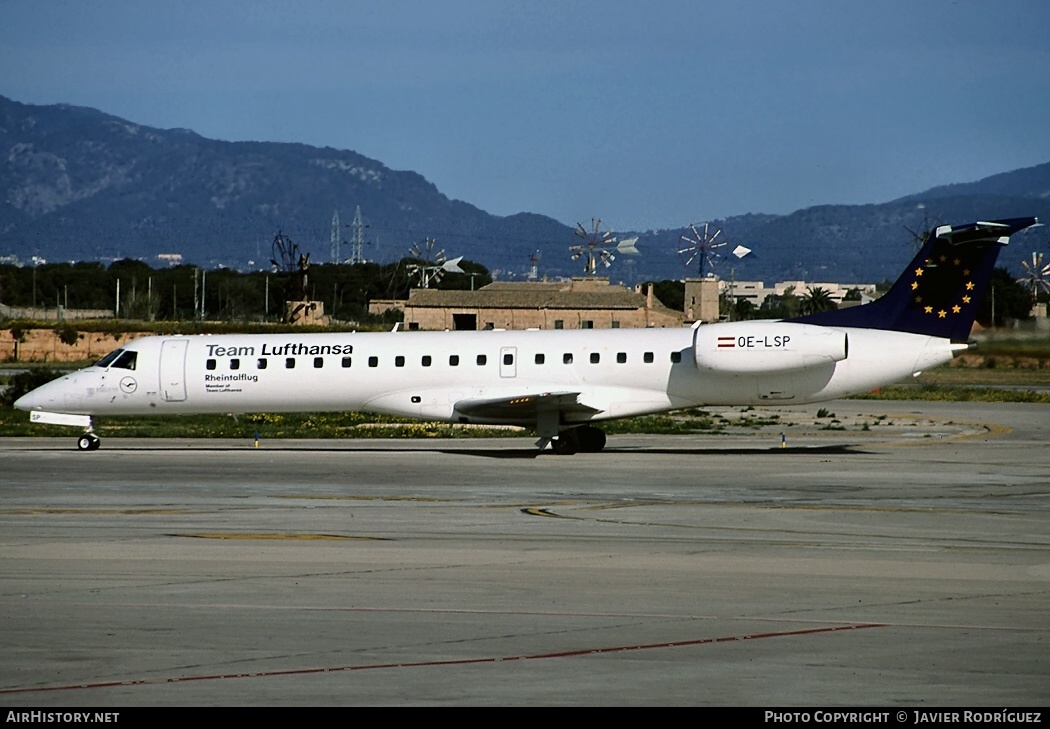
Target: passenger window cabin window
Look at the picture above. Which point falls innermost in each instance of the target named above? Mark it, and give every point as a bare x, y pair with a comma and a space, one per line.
235, 364
621, 357
453, 360
318, 363
540, 358
426, 360
346, 361
676, 357
508, 358
261, 363
373, 361
566, 358
399, 361
595, 358
210, 364
289, 363
482, 359
647, 357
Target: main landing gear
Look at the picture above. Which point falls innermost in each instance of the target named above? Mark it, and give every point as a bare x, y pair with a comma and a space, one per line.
88, 442
584, 439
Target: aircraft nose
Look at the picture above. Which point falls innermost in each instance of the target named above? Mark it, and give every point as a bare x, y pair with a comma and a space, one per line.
41, 398
32, 400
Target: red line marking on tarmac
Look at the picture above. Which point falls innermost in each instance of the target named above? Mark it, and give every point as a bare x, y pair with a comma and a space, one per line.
457, 662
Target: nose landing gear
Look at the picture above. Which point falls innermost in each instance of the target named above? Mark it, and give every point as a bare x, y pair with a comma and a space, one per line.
88, 442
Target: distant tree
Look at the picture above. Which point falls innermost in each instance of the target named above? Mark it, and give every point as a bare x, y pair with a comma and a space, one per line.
671, 294
399, 279
474, 276
233, 296
816, 300
743, 309
67, 334
780, 306
789, 302
852, 294
130, 267
1006, 299
18, 333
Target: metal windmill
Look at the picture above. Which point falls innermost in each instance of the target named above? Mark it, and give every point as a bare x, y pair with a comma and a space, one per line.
919, 238
534, 266
433, 263
1036, 275
597, 246
701, 247
290, 262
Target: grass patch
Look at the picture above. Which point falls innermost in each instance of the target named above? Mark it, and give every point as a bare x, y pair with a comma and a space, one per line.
1037, 347
954, 393
674, 424
986, 376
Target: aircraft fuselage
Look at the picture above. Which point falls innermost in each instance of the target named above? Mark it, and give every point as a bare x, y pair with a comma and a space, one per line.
438, 375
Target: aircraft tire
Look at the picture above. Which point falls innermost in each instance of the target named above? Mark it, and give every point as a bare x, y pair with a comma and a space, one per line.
592, 439
565, 444
88, 442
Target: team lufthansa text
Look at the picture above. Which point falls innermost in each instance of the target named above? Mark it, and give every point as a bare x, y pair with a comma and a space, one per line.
286, 349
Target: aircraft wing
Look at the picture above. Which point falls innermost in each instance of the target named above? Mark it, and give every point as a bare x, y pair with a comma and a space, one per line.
524, 408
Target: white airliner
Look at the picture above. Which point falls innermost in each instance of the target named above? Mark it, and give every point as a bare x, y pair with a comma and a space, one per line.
558, 383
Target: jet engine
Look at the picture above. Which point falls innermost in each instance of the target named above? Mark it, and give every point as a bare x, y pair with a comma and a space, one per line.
766, 346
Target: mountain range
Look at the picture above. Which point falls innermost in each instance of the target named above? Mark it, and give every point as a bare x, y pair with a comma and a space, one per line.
79, 184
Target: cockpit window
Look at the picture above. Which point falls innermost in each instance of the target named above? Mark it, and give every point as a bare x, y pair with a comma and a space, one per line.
108, 359
126, 361
123, 358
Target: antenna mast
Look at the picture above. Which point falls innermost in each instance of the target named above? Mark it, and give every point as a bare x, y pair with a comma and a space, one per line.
335, 253
357, 254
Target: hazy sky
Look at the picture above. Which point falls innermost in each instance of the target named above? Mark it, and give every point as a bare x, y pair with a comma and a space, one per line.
649, 114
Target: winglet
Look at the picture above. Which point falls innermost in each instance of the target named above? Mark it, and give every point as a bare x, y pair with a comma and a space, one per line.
938, 294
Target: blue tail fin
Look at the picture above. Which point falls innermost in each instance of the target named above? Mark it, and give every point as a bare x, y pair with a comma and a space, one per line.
938, 294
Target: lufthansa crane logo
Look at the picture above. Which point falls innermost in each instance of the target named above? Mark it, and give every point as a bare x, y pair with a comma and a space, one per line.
128, 385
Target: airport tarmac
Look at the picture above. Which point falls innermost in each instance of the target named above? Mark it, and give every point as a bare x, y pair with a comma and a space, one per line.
902, 561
